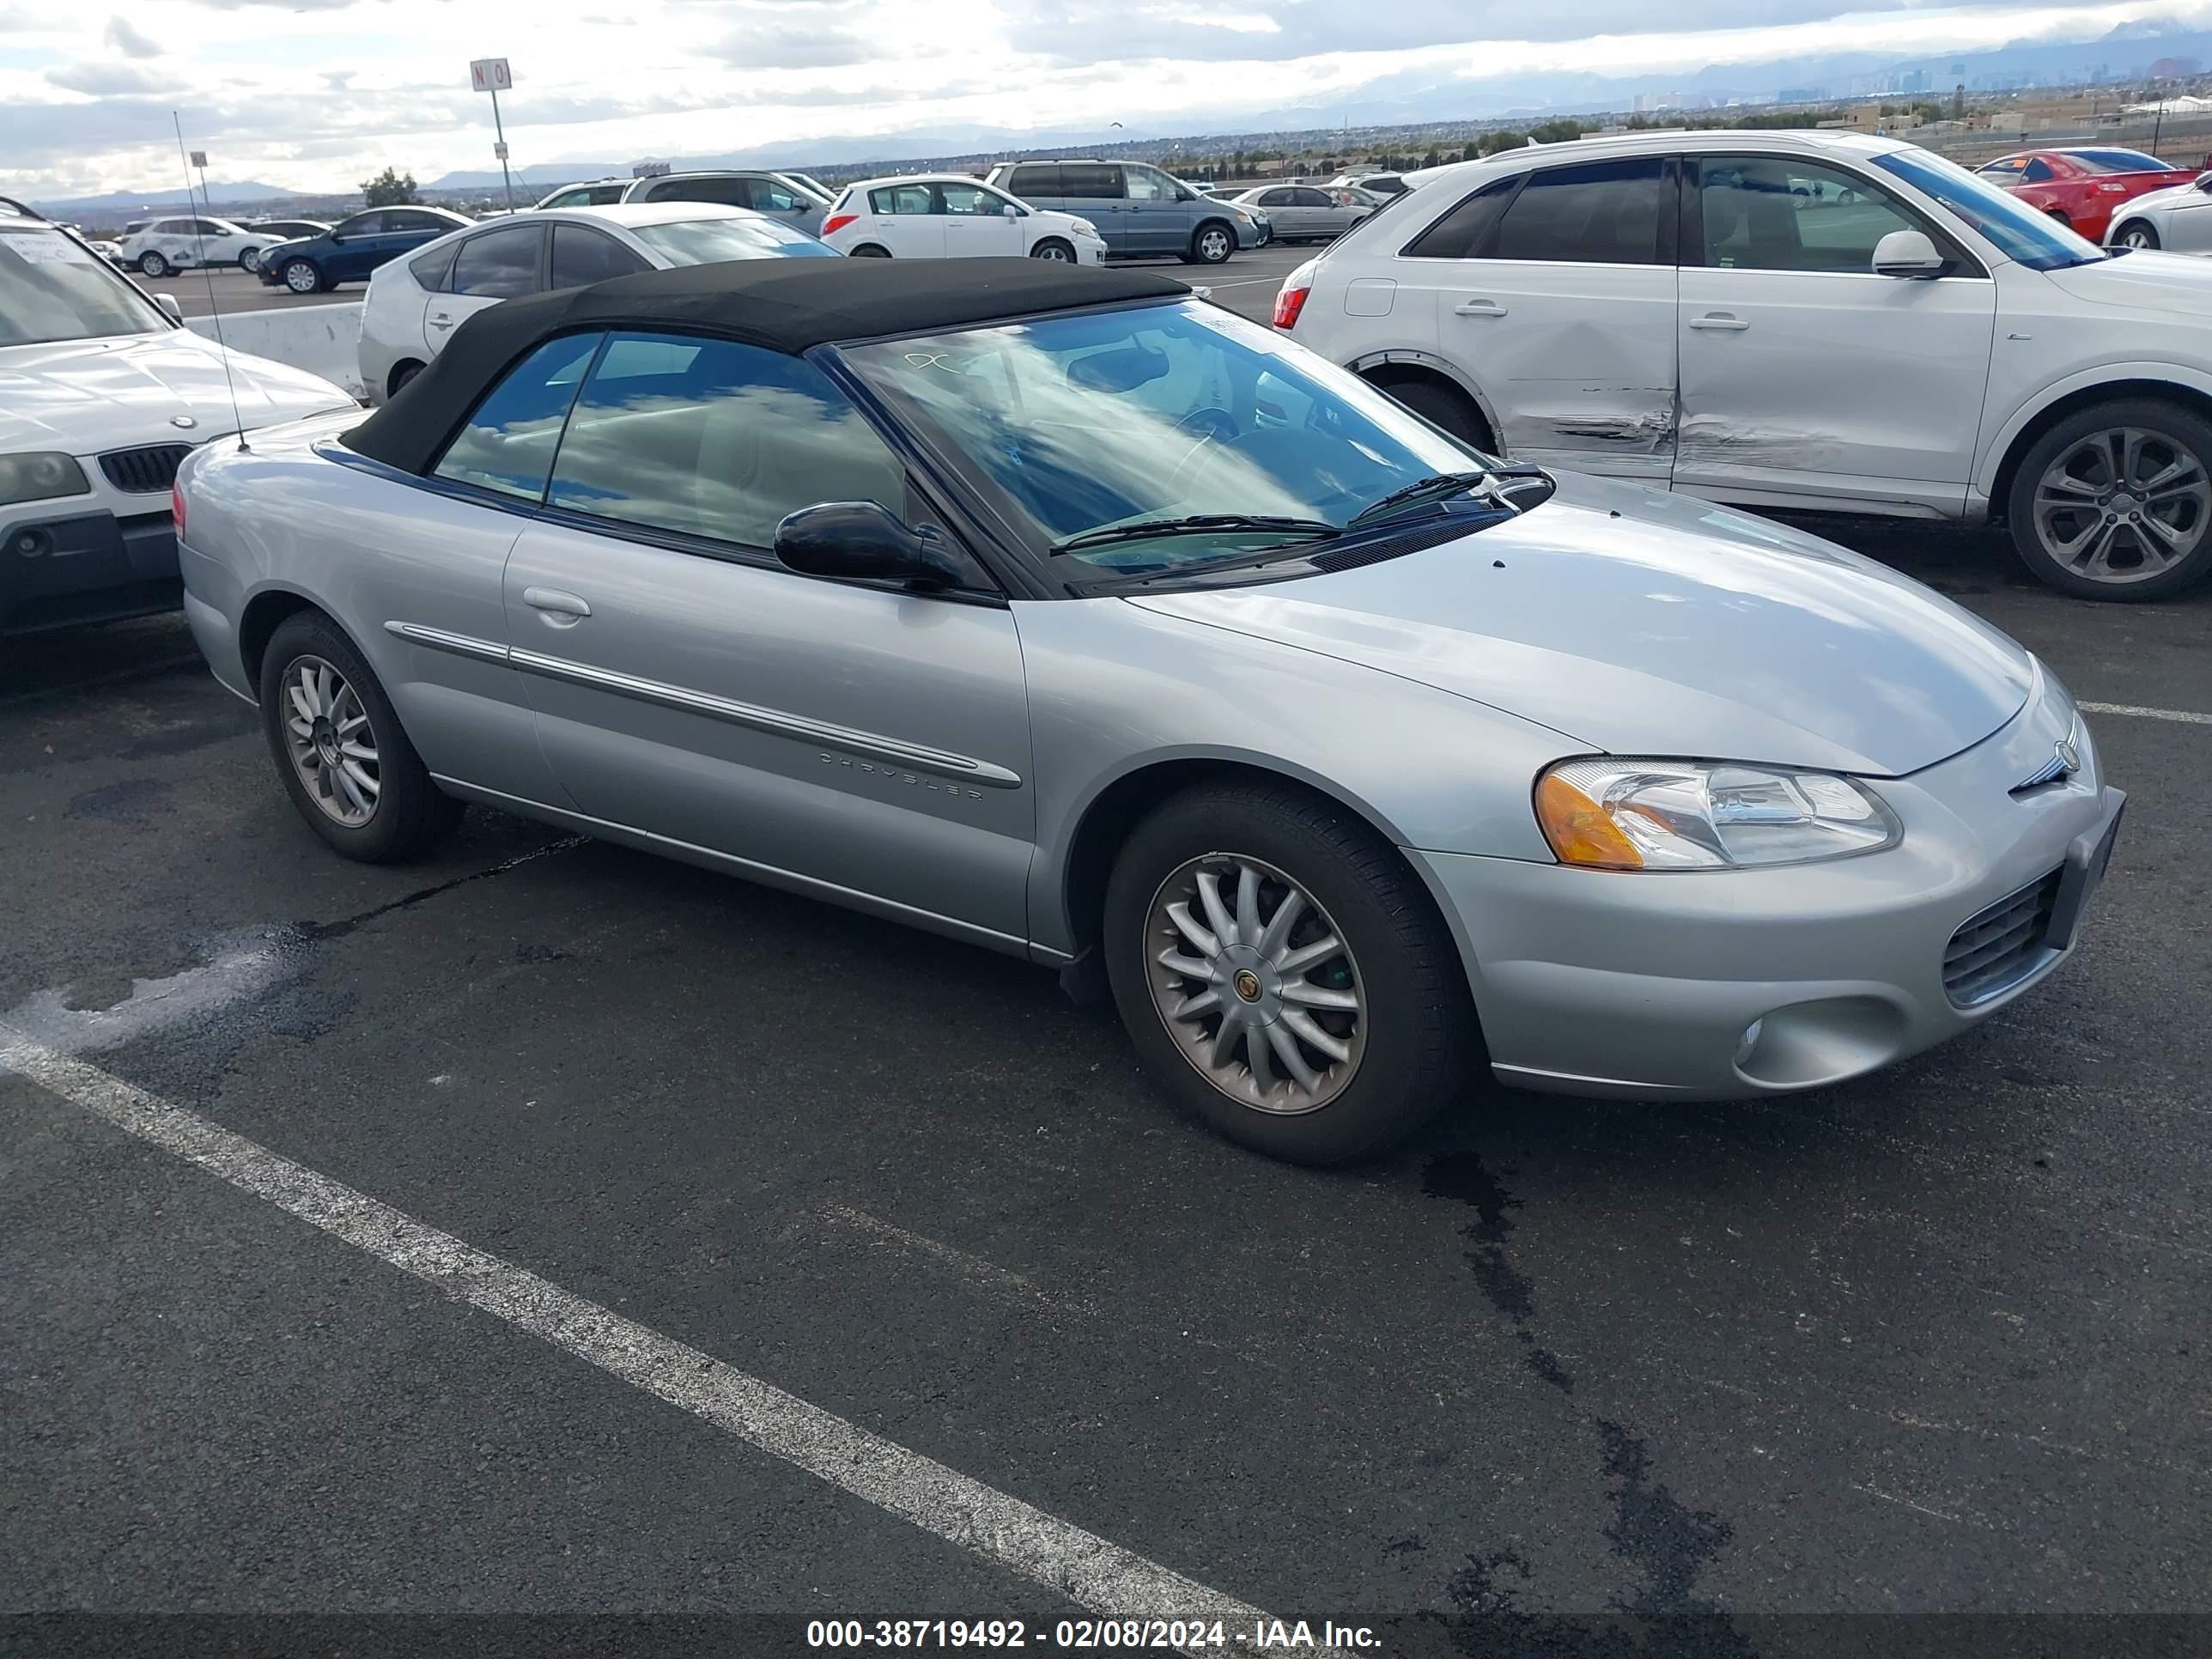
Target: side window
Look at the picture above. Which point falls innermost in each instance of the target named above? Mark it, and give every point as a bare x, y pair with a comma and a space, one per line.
1036, 181
769, 197
1146, 186
1776, 213
1276, 198
1305, 197
362, 224
899, 199
581, 256
1599, 213
208, 228
2006, 171
2038, 172
729, 192
402, 222
1089, 181
970, 201
500, 265
717, 439
431, 269
507, 445
1468, 231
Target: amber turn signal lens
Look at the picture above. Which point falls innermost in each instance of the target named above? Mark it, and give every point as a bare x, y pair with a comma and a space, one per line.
1579, 830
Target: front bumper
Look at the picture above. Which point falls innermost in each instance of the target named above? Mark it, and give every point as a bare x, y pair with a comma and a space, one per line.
1255, 234
1649, 985
62, 564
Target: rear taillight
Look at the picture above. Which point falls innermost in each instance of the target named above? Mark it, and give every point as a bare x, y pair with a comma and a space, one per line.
1291, 301
177, 509
837, 221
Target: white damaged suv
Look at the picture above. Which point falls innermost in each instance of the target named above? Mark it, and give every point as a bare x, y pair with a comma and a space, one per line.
102, 393
1810, 321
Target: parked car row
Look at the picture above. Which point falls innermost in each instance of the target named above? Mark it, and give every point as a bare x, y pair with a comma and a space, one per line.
1049, 607
1807, 321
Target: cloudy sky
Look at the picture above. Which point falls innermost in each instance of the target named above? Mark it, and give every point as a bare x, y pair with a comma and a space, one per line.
318, 93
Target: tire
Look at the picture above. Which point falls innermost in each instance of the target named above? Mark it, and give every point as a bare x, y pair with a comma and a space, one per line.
249, 258
2059, 213
870, 251
1055, 250
1211, 243
2138, 233
301, 277
401, 378
1447, 407
151, 263
408, 813
1414, 1032
2081, 468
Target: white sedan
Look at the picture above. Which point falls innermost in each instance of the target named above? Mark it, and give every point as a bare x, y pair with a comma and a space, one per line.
950, 216
2178, 219
1815, 321
161, 246
414, 304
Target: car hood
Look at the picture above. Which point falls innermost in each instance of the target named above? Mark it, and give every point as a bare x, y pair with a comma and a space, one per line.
85, 396
1639, 623
2144, 281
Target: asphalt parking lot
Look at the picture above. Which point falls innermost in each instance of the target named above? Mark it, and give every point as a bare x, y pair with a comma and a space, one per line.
1934, 1342
200, 293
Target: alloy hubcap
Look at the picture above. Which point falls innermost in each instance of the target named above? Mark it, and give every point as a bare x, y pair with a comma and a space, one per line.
332, 745
2123, 506
1254, 984
299, 277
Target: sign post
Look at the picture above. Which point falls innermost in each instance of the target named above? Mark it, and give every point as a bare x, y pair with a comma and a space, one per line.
492, 75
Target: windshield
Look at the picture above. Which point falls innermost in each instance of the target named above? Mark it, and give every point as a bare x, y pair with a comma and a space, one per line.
53, 288
710, 241
2121, 160
2022, 232
1078, 423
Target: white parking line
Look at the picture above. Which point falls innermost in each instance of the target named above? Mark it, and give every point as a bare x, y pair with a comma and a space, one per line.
2181, 715
1062, 1557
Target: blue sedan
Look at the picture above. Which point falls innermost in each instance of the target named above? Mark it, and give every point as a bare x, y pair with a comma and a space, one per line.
353, 247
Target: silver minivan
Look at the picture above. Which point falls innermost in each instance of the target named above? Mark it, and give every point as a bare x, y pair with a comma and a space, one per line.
1141, 211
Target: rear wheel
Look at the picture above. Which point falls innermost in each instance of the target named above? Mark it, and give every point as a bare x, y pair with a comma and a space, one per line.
152, 264
870, 251
339, 748
2115, 502
1053, 249
301, 277
1445, 406
1213, 243
400, 378
1283, 975
2136, 234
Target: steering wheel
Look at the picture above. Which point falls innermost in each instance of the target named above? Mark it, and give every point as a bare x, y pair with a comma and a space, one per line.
1220, 427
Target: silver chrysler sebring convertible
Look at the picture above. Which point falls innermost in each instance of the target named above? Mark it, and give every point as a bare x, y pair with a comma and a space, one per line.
1060, 611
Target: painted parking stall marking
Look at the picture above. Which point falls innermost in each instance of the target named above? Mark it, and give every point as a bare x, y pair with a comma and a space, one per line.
1088, 1570
2182, 715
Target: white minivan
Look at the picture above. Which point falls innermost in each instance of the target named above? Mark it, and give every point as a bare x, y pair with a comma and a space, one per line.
1816, 321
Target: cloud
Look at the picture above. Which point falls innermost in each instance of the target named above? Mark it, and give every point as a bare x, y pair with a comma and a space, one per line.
785, 46
106, 80
124, 35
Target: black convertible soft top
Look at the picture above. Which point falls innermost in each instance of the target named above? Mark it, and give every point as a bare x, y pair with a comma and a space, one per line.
785, 305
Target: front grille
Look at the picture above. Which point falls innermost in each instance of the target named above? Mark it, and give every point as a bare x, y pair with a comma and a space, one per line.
1997, 947
144, 472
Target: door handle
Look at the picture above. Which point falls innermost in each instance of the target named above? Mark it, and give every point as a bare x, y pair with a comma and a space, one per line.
1479, 308
556, 603
442, 322
1719, 319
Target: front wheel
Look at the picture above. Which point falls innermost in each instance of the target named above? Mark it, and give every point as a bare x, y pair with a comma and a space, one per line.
152, 264
301, 277
1052, 249
249, 258
2115, 502
1212, 245
1283, 974
340, 750
2135, 235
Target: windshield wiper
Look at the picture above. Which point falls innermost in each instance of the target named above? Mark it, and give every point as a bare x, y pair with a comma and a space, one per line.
1318, 529
1493, 483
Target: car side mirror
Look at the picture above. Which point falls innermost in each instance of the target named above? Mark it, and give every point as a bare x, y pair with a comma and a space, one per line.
860, 541
167, 304
1907, 254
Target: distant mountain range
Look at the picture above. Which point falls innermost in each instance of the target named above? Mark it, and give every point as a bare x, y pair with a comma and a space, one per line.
1407, 99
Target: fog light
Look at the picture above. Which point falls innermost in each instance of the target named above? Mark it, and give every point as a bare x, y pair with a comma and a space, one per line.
1748, 1041
30, 543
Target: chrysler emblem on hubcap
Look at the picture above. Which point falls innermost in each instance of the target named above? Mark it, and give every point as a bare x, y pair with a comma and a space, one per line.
1247, 984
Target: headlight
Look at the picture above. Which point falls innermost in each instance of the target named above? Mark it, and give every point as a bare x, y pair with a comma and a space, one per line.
1084, 227
1610, 813
1239, 215
34, 477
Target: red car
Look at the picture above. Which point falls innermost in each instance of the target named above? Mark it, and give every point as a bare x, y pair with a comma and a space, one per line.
2081, 187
